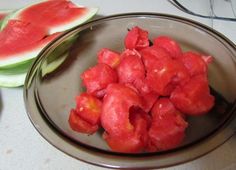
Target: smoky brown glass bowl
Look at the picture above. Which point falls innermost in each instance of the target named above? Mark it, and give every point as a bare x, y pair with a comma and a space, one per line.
54, 80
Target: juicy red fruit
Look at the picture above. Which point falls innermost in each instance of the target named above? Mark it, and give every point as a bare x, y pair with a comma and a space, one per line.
80, 125
97, 78
145, 93
148, 101
16, 31
89, 108
68, 12
136, 38
194, 97
194, 63
169, 45
167, 129
115, 109
109, 57
163, 75
152, 54
135, 141
130, 68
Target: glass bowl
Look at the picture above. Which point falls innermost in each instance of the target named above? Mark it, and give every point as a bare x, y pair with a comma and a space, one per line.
54, 80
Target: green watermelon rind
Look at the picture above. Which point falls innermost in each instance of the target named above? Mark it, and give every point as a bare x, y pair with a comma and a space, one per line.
12, 66
12, 80
20, 68
58, 56
18, 58
14, 77
48, 68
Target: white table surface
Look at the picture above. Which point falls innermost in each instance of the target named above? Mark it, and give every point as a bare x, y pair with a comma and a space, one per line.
22, 147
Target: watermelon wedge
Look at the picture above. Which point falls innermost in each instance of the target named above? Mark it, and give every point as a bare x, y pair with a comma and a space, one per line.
26, 31
14, 75
21, 41
56, 15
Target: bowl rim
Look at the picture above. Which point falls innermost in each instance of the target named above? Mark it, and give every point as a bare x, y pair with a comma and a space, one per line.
215, 139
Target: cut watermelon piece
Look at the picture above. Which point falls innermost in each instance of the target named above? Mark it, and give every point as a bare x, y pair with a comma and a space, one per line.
21, 41
14, 75
56, 15
25, 32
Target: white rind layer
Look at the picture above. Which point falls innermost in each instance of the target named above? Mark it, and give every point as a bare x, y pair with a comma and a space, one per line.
12, 80
21, 57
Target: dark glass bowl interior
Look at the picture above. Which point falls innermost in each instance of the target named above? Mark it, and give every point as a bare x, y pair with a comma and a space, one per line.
54, 79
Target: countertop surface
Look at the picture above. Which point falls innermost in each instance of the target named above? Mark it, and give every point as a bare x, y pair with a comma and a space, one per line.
22, 147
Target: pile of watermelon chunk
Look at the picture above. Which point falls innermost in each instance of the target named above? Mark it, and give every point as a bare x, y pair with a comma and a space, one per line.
141, 96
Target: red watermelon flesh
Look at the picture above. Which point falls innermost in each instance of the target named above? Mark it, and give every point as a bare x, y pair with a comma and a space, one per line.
2, 16
53, 13
4, 13
19, 36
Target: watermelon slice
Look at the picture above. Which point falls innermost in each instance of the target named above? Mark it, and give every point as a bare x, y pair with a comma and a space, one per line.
56, 15
14, 75
21, 41
25, 32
